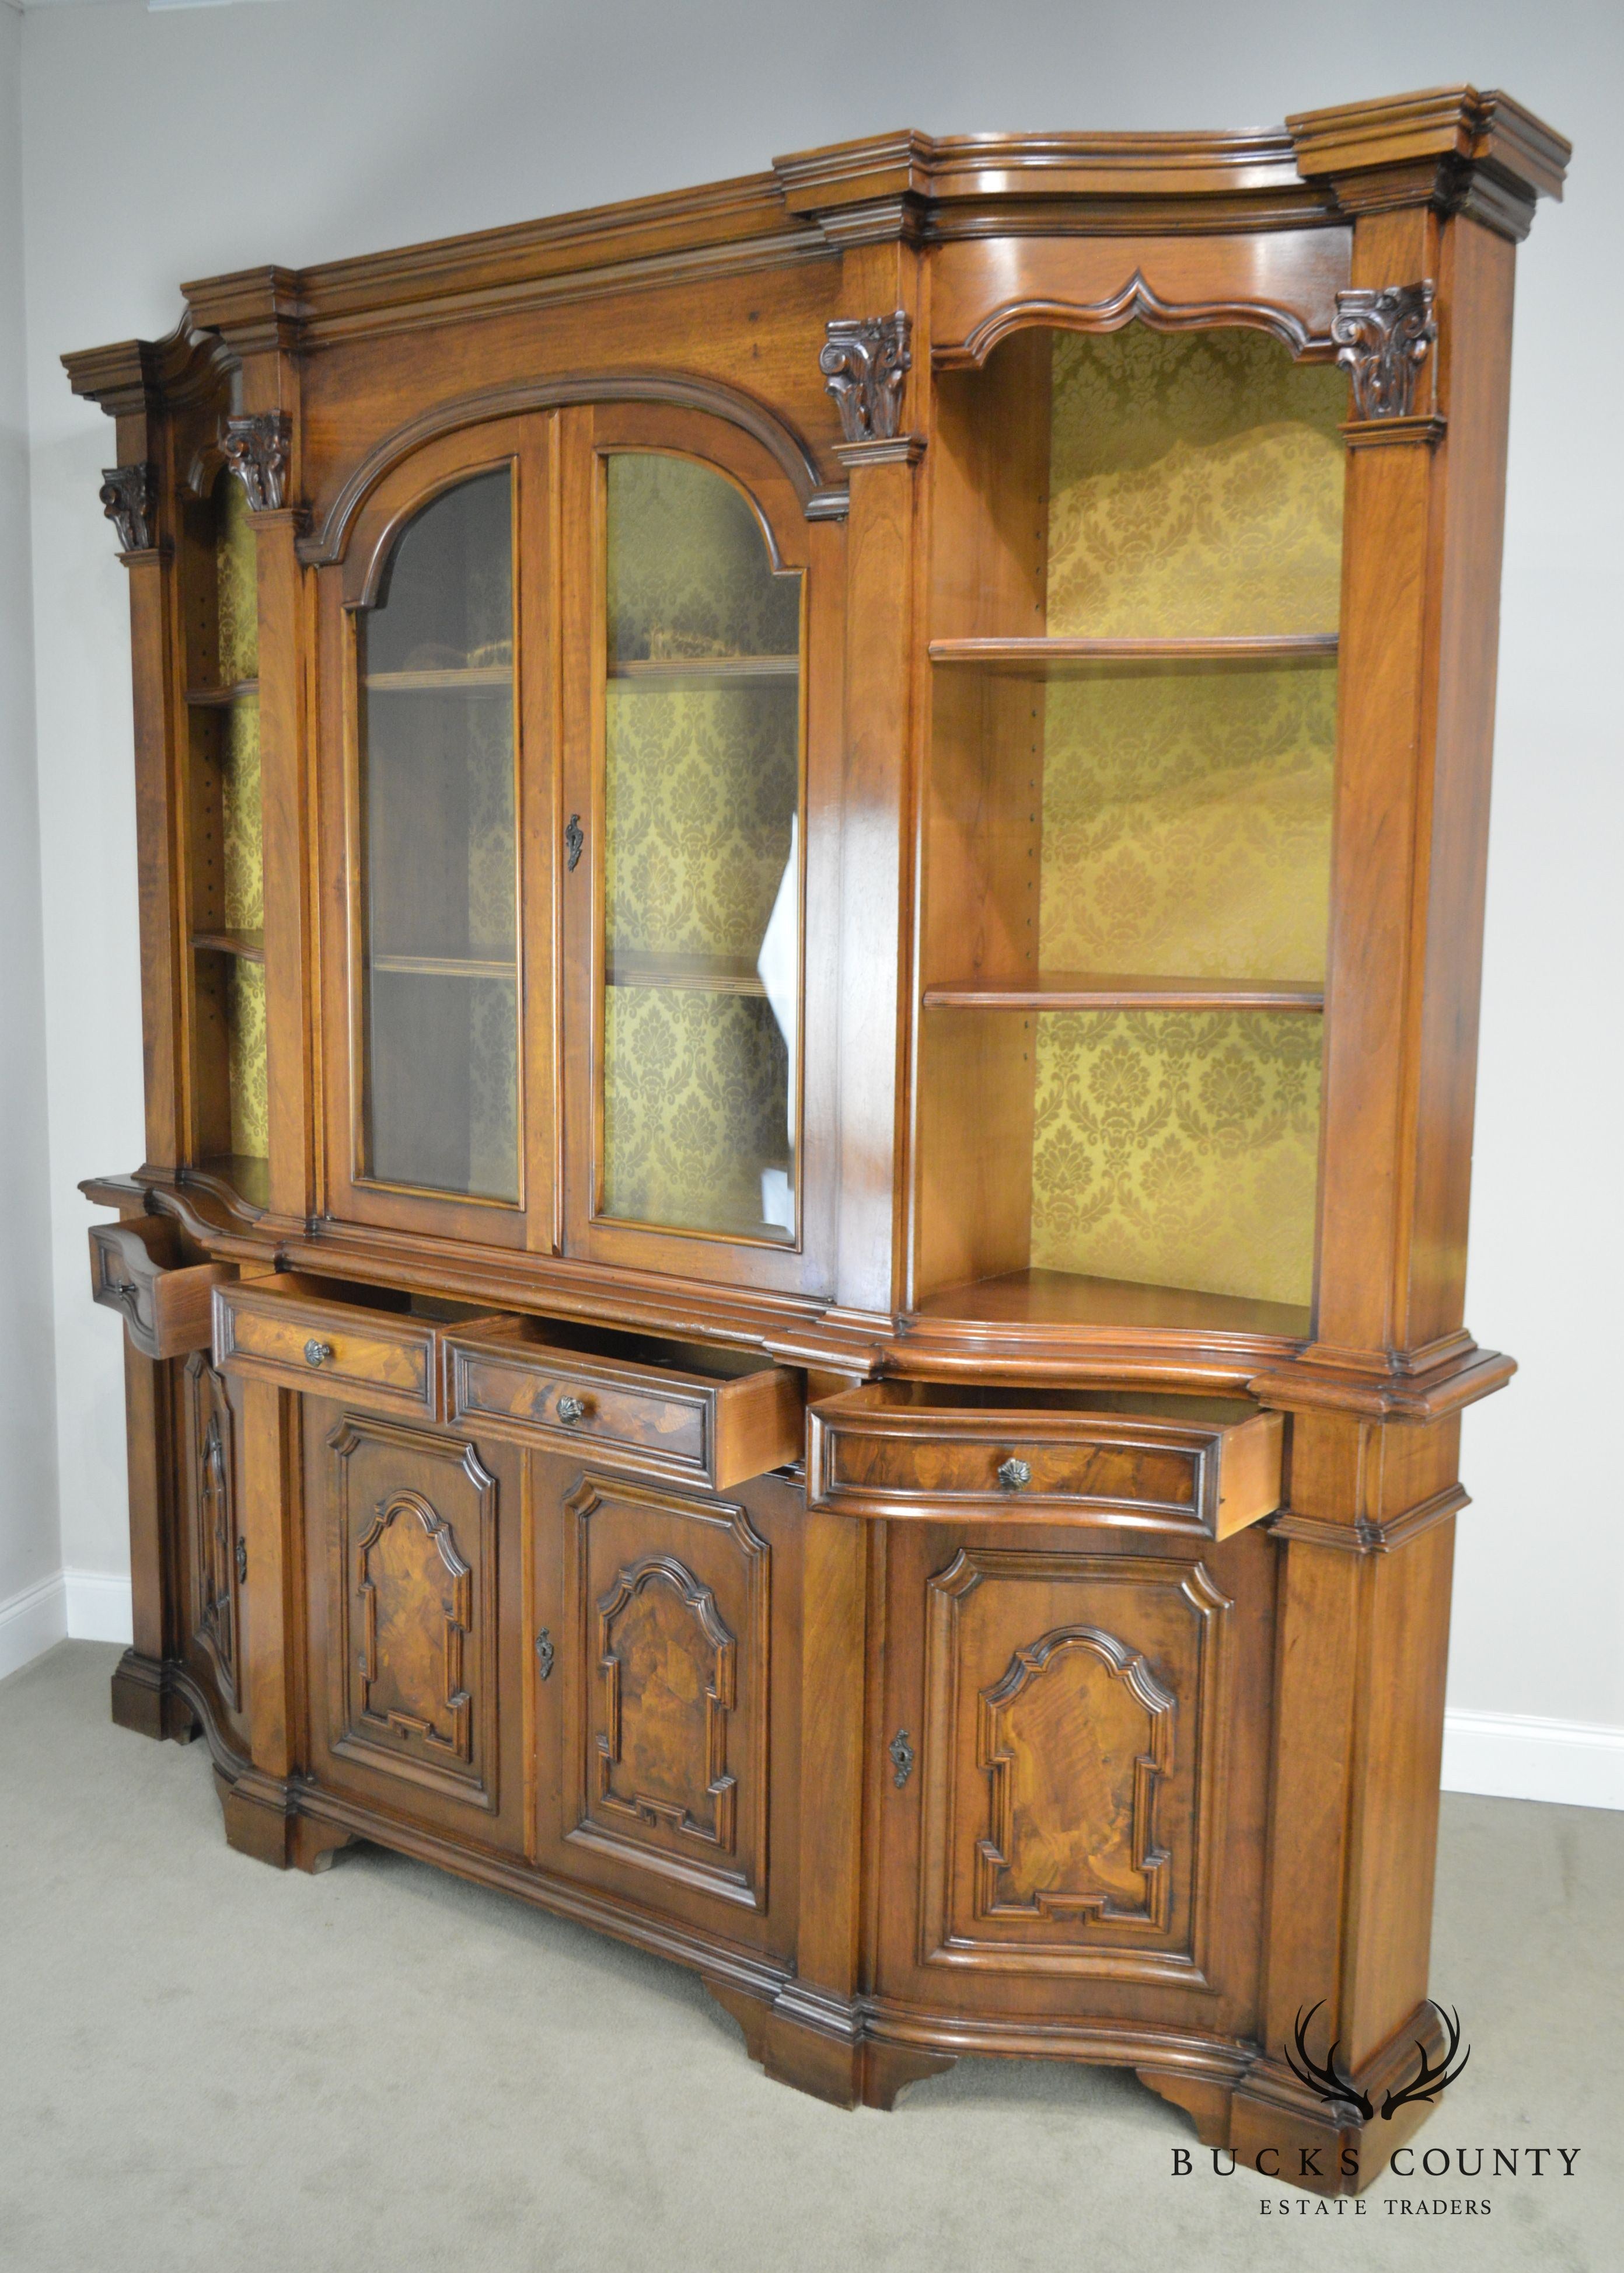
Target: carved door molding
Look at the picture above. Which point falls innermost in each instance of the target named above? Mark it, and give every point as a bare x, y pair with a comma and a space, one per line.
1072, 1779
413, 1562
217, 1557
997, 1859
666, 1714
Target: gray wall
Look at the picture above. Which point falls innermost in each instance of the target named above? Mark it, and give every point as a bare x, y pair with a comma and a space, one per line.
30, 1548
171, 145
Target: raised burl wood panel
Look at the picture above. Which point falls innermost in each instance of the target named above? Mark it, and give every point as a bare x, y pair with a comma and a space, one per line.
1072, 1731
666, 1710
218, 1552
1077, 1740
413, 1547
667, 1664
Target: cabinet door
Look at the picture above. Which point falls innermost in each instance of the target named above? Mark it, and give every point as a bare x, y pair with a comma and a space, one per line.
437, 677
667, 1694
213, 1571
1072, 1799
412, 1548
700, 701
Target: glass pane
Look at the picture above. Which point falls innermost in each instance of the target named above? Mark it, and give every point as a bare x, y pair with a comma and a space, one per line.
702, 862
1195, 486
1178, 1149
441, 903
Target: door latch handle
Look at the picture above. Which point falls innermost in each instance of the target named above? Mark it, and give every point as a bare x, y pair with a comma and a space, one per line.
574, 841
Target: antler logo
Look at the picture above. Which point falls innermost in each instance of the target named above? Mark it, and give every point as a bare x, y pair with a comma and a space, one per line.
1326, 2080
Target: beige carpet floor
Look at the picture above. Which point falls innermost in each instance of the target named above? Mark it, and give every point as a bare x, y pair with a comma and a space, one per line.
207, 2064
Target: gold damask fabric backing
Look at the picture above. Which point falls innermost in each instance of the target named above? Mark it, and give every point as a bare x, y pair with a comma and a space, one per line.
689, 572
1187, 823
701, 786
236, 583
245, 1059
694, 1085
241, 816
1178, 1149
1195, 486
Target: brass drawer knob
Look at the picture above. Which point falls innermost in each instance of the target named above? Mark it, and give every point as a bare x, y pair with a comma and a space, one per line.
572, 1409
1014, 1473
316, 1353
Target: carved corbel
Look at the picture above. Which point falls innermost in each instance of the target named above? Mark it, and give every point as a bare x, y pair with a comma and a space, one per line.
865, 359
256, 447
1382, 338
129, 500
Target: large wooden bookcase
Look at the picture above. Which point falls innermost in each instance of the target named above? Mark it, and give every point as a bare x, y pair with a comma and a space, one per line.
812, 863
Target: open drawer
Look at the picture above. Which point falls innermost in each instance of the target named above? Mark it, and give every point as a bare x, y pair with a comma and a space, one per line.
689, 1413
164, 1303
922, 1449
367, 1345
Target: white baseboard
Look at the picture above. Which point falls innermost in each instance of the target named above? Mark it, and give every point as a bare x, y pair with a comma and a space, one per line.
1519, 1756
98, 1607
31, 1623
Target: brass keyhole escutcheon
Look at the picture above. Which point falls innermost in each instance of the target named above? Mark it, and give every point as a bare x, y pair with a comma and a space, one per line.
901, 1756
574, 840
544, 1652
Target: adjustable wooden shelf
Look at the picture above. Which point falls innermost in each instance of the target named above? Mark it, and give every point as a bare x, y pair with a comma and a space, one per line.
809, 969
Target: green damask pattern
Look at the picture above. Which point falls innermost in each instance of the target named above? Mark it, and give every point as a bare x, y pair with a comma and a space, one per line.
245, 1059
700, 786
242, 815
236, 584
689, 572
1178, 1149
493, 1089
694, 1086
1187, 823
1195, 486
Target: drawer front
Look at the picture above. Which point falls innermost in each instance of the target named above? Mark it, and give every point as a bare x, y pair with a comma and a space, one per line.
716, 1429
547, 1397
165, 1307
890, 1462
364, 1356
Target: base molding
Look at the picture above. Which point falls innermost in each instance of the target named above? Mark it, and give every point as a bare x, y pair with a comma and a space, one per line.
1524, 1756
34, 1620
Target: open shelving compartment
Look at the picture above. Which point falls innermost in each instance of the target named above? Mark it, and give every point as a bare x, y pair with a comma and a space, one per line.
1126, 831
229, 1116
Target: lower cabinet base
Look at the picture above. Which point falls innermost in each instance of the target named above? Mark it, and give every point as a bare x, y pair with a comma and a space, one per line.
147, 1699
865, 2054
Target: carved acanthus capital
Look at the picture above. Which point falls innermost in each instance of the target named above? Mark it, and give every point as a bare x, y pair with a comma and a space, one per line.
865, 359
129, 500
256, 447
1382, 338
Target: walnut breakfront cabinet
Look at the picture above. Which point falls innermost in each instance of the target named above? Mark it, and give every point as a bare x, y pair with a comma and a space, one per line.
812, 863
